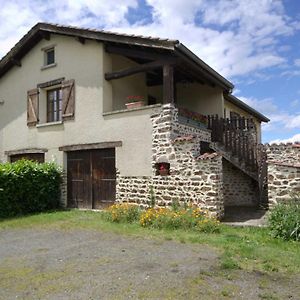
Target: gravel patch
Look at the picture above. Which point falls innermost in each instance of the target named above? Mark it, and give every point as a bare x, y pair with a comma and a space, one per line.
85, 264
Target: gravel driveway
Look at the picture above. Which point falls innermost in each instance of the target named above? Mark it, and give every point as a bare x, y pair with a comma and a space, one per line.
85, 264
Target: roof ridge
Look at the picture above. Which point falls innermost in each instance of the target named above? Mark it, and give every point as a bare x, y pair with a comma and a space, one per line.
97, 30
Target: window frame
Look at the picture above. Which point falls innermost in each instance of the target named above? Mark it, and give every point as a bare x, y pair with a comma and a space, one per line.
46, 63
47, 52
54, 109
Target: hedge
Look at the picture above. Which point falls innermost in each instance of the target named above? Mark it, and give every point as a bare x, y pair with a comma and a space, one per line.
28, 187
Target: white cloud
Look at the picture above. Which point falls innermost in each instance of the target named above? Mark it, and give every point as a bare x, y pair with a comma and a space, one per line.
295, 103
18, 16
297, 62
290, 73
266, 106
241, 47
293, 139
279, 118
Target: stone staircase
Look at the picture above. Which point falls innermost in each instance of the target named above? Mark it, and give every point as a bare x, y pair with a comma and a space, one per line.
238, 162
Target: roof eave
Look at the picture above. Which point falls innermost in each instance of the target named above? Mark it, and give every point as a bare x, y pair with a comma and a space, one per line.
108, 36
246, 107
220, 80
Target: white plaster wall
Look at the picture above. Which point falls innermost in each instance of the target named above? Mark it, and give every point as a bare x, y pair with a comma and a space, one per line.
86, 64
134, 85
196, 97
201, 98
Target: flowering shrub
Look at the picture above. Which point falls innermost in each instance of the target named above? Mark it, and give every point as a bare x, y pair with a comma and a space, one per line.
190, 218
193, 115
134, 98
123, 213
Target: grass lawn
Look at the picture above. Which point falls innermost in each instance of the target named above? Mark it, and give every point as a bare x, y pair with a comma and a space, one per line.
249, 249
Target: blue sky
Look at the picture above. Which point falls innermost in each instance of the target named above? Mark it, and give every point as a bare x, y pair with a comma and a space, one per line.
253, 43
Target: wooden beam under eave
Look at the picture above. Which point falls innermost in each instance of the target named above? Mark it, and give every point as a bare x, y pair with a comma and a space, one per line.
168, 84
81, 40
45, 35
138, 69
16, 62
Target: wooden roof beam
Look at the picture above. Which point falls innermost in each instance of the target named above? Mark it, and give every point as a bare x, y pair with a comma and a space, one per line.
81, 40
135, 53
138, 69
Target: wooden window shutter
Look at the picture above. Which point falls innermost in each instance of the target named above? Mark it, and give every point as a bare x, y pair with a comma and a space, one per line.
32, 107
68, 99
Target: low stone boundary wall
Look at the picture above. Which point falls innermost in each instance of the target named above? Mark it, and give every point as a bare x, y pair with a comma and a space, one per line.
283, 172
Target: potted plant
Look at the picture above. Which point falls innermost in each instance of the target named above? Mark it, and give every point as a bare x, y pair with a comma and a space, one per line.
134, 101
163, 169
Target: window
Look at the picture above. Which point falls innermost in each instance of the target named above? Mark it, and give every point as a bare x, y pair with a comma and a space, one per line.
37, 157
54, 105
51, 101
49, 57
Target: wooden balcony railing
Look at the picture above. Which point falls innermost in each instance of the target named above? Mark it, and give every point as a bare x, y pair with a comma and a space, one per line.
237, 136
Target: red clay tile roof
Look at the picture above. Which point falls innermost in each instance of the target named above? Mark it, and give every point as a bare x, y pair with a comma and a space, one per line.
185, 138
207, 156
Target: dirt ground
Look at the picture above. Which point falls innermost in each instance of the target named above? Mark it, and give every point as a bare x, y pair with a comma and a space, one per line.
85, 264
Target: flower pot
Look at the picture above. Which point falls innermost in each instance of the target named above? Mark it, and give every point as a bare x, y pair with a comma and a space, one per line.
163, 172
137, 104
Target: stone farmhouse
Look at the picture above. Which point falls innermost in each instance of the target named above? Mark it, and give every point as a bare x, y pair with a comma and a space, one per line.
128, 116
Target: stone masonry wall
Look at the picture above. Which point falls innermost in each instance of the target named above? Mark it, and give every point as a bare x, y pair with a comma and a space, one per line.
192, 179
238, 188
283, 171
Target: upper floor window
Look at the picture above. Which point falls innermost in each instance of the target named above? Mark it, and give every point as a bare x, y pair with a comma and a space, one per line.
49, 56
50, 102
54, 105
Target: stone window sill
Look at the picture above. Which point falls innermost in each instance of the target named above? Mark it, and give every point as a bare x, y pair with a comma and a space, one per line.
49, 124
48, 66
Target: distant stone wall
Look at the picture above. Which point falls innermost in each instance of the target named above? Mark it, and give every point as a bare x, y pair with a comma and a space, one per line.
239, 189
193, 179
283, 171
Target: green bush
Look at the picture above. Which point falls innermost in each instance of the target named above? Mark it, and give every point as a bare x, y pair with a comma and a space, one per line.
284, 220
28, 187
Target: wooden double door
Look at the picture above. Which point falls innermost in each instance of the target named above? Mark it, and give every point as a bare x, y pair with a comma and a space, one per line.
91, 178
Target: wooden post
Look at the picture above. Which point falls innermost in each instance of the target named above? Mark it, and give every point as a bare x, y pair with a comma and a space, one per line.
168, 84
